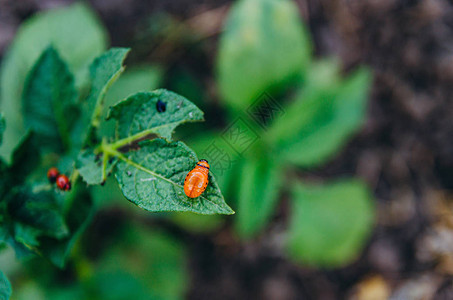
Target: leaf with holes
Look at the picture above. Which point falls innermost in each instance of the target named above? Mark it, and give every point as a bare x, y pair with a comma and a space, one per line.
158, 112
153, 178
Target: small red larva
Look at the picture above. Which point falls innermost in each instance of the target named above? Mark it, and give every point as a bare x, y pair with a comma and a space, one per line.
197, 179
63, 183
52, 174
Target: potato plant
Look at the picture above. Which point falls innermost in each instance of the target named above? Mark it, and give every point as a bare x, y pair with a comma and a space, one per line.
63, 130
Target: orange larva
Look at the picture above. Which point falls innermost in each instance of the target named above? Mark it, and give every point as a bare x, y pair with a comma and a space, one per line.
197, 179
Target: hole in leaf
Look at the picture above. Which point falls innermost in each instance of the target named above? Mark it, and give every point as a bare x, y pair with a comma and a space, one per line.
161, 106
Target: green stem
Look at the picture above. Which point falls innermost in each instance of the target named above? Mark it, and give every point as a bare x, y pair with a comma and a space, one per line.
95, 117
105, 160
130, 139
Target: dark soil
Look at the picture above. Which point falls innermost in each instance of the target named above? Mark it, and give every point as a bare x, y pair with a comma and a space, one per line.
404, 152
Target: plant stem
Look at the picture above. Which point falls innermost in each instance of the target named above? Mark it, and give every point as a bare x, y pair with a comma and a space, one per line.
130, 139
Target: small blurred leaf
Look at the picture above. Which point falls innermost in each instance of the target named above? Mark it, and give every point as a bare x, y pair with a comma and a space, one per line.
138, 114
21, 251
153, 178
329, 224
259, 184
264, 44
319, 123
74, 31
48, 95
118, 284
26, 235
103, 71
5, 287
311, 103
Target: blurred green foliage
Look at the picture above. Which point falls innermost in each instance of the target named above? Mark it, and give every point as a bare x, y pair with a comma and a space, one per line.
59, 28
329, 223
139, 263
259, 183
152, 266
264, 43
265, 51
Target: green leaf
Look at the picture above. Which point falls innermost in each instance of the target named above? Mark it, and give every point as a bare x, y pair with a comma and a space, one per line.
48, 98
320, 88
74, 31
2, 127
321, 121
264, 44
153, 178
259, 184
5, 287
38, 209
137, 118
79, 212
26, 235
138, 114
104, 71
33, 212
90, 167
25, 158
329, 224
